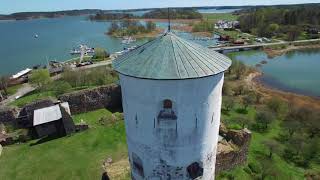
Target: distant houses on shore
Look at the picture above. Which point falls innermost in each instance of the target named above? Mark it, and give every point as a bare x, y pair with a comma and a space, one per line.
227, 25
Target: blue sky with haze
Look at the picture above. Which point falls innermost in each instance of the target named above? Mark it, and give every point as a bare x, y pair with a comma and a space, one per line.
10, 6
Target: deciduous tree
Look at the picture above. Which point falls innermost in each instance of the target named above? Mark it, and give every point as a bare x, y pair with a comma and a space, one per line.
272, 146
264, 118
228, 103
40, 78
4, 81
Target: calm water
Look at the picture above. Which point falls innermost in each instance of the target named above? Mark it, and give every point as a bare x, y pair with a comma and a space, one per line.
19, 49
297, 71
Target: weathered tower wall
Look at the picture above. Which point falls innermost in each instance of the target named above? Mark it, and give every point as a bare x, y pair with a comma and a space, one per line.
172, 126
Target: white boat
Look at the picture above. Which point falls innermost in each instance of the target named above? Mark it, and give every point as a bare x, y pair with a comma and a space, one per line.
128, 40
36, 36
21, 73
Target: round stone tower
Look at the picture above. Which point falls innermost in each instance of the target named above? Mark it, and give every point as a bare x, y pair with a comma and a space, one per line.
171, 94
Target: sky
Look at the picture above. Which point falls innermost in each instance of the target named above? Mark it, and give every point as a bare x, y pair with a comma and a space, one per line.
11, 6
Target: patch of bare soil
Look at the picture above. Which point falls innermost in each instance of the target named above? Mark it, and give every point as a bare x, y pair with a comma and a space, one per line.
117, 170
225, 147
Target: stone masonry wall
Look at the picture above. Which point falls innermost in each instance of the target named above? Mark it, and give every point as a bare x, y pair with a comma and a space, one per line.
227, 160
92, 99
8, 115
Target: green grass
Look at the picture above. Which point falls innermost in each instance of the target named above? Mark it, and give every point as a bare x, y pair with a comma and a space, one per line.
77, 59
257, 151
13, 89
214, 17
31, 97
77, 157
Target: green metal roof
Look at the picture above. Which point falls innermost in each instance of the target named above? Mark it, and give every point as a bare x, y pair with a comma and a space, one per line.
171, 57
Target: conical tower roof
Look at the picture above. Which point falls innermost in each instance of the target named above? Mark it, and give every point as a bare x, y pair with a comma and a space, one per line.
171, 57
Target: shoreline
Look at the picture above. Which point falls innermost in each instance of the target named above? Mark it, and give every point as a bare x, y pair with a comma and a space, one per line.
278, 52
252, 80
184, 21
152, 34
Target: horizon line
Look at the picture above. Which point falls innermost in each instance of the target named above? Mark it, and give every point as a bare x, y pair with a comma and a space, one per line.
138, 9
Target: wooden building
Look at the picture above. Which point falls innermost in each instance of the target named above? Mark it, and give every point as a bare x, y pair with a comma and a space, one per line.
53, 121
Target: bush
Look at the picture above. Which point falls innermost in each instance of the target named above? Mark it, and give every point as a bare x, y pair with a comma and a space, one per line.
228, 103
247, 170
203, 26
100, 54
235, 126
90, 77
110, 119
226, 175
227, 89
277, 106
312, 174
264, 118
248, 100
40, 78
61, 87
255, 167
242, 111
241, 89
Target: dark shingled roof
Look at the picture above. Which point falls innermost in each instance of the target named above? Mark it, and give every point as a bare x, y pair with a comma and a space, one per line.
171, 57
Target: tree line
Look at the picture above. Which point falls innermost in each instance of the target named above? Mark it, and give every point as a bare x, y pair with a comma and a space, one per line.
130, 27
284, 21
181, 13
100, 16
173, 14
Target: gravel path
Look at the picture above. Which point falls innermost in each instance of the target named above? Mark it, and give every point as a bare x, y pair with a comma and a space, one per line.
25, 89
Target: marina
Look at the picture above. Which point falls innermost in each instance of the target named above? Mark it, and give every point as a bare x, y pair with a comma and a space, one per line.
83, 48
56, 38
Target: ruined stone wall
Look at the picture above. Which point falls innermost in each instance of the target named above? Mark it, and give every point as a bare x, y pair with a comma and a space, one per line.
92, 99
227, 160
8, 115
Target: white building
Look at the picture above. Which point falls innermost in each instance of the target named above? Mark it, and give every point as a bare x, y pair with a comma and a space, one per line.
171, 92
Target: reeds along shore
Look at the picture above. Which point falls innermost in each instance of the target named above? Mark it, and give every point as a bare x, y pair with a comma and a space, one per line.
292, 98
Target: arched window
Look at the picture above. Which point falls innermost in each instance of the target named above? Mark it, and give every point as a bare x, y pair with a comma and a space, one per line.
167, 104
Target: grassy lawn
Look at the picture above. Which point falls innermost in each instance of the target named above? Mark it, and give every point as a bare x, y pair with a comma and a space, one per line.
77, 59
214, 17
79, 156
37, 95
13, 89
32, 96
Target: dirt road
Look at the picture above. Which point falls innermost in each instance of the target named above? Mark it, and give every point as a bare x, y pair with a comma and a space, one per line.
25, 89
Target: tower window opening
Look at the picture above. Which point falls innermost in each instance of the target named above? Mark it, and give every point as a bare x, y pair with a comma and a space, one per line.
195, 170
167, 112
167, 104
137, 164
